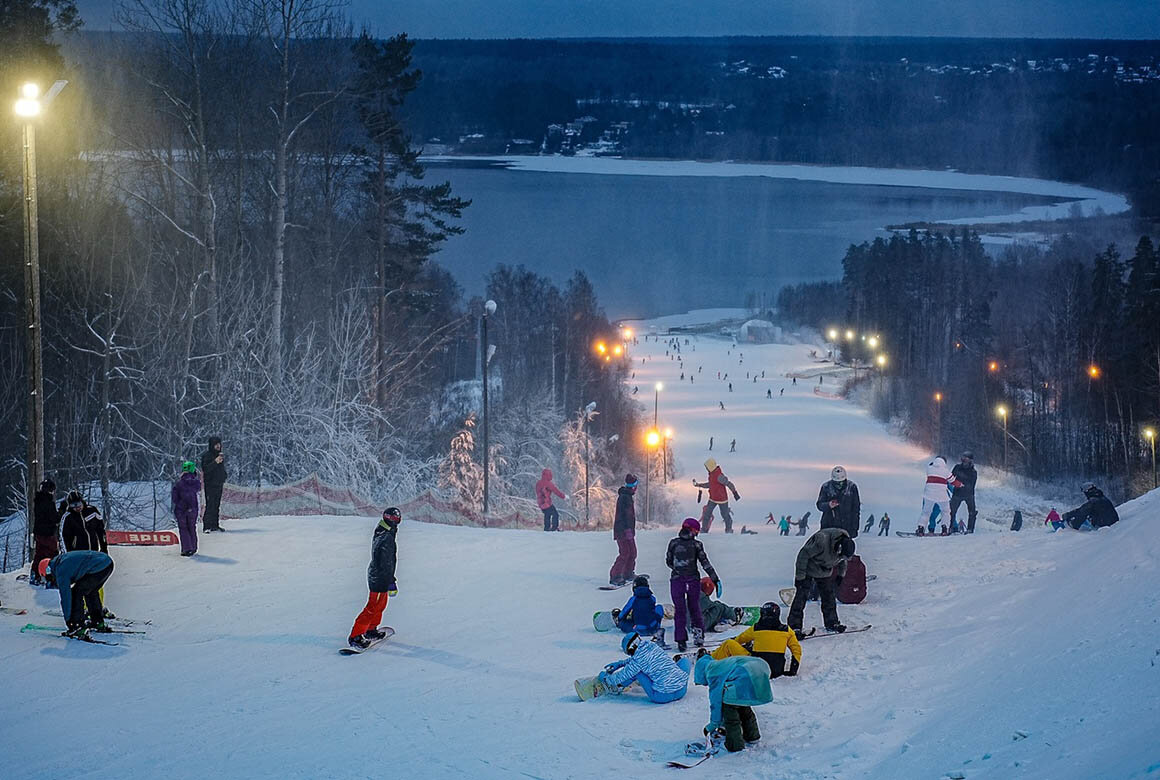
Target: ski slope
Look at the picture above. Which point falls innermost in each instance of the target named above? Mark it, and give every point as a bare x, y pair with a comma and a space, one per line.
1001, 655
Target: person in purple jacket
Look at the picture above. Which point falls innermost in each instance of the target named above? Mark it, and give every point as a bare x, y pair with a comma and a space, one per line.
184, 504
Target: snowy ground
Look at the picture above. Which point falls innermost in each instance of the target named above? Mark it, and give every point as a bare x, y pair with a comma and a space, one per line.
1002, 655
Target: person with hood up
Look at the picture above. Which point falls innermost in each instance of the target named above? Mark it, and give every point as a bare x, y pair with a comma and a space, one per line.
663, 679
183, 499
715, 612
79, 576
641, 613
964, 472
736, 685
768, 640
822, 556
682, 557
839, 503
624, 532
936, 496
213, 471
783, 526
718, 484
45, 528
545, 489
1097, 510
1054, 520
380, 580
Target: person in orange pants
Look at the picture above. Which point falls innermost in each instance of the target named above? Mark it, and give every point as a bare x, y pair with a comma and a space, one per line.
380, 580
769, 639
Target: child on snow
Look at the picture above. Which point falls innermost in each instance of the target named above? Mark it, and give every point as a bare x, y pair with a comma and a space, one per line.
736, 685
183, 499
682, 557
767, 640
641, 613
663, 679
380, 580
545, 489
714, 612
783, 526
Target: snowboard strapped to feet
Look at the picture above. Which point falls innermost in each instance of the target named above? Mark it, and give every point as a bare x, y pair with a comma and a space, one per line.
350, 650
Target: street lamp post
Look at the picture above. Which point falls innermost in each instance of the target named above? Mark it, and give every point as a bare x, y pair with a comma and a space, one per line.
1150, 435
651, 441
657, 401
938, 397
588, 412
1002, 410
665, 454
485, 349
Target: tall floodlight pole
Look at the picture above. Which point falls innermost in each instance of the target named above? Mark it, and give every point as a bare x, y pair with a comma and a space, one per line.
1150, 435
657, 401
1002, 410
485, 358
651, 441
588, 412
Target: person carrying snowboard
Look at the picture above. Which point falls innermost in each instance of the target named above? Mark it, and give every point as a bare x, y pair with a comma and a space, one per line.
839, 503
641, 613
682, 557
719, 487
545, 489
624, 533
936, 496
822, 556
183, 499
380, 580
79, 576
736, 685
663, 679
884, 524
715, 612
964, 472
1097, 510
767, 640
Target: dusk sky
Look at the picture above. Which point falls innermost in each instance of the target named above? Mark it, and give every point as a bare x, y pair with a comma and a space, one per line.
618, 18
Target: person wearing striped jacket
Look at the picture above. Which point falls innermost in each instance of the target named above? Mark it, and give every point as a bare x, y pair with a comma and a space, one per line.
662, 678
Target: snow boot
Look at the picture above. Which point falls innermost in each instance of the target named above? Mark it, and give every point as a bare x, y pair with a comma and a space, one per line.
374, 633
738, 615
103, 628
76, 632
359, 641
699, 637
682, 647
107, 614
837, 628
659, 637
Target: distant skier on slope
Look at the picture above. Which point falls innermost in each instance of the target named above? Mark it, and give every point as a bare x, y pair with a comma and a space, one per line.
783, 526
380, 580
718, 484
884, 525
545, 489
936, 496
682, 557
804, 524
183, 500
839, 503
662, 678
822, 556
624, 533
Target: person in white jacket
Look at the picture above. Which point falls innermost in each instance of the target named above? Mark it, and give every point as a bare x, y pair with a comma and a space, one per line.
936, 496
662, 678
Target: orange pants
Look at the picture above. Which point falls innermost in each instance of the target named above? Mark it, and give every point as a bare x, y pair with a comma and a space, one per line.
728, 648
371, 614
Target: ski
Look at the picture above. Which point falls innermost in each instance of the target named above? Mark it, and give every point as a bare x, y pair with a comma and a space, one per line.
55, 630
117, 621
348, 650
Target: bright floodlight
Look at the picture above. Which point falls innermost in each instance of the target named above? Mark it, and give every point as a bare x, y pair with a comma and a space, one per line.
1149, 433
27, 107
653, 438
1002, 410
849, 335
660, 386
872, 341
668, 433
617, 350
832, 334
880, 360
1094, 371
30, 91
628, 333
938, 396
601, 348
489, 307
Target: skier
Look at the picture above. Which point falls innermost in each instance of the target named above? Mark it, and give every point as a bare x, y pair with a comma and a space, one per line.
213, 471
1097, 510
183, 501
663, 679
717, 483
1054, 520
545, 489
722, 403
936, 497
380, 580
767, 640
641, 613
79, 576
736, 685
769, 393
884, 525
710, 444
795, 381
823, 555
682, 557
714, 612
731, 387
964, 472
733, 446
45, 528
869, 524
839, 503
781, 393
82, 527
783, 526
624, 532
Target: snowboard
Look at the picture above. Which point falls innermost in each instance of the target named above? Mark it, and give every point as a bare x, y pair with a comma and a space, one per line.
13, 611
814, 633
936, 534
348, 650
605, 621
627, 584
589, 688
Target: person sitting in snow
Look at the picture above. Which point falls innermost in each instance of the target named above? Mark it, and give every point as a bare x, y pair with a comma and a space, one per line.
380, 580
718, 484
682, 557
663, 679
736, 685
1097, 510
715, 612
641, 613
822, 556
767, 640
1054, 520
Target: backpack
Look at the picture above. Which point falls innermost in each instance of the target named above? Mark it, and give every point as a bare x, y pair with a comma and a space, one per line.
853, 587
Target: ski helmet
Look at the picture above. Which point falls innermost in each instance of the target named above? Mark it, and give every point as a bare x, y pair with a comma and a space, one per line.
707, 586
640, 581
42, 567
770, 609
1089, 488
75, 498
630, 642
189, 467
392, 515
838, 473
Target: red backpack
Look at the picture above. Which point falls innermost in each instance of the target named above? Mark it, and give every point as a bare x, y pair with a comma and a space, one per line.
853, 587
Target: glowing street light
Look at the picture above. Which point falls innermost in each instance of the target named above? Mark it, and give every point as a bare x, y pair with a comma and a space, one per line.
993, 366
873, 342
938, 397
1002, 412
849, 335
628, 333
832, 334
881, 361
1150, 435
1094, 371
617, 350
600, 347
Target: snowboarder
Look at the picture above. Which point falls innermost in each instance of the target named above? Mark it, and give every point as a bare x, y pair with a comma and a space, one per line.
804, 524
767, 640
795, 381
731, 387
733, 446
641, 613
964, 472
822, 556
45, 528
545, 489
722, 404
736, 685
884, 524
663, 679
710, 444
380, 580
682, 557
1097, 510
79, 576
714, 612
783, 526
781, 393
936, 496
839, 503
769, 393
183, 499
869, 524
213, 472
624, 532
717, 483
82, 527
1054, 520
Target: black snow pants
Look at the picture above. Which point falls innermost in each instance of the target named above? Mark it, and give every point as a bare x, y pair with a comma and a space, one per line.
210, 519
551, 519
957, 500
86, 594
829, 602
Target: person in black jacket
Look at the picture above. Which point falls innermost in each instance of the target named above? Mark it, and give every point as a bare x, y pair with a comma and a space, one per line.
45, 528
624, 532
682, 557
380, 580
213, 473
839, 503
1097, 509
964, 471
82, 527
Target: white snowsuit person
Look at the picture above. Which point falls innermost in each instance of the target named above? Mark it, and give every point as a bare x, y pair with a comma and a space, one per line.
936, 496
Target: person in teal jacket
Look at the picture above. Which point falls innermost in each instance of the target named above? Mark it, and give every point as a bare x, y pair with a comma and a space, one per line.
736, 685
79, 576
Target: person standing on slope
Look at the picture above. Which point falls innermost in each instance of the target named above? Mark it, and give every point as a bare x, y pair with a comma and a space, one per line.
822, 556
682, 557
213, 471
884, 524
380, 580
964, 472
663, 679
839, 503
624, 532
184, 501
82, 527
45, 528
783, 526
545, 489
936, 496
718, 485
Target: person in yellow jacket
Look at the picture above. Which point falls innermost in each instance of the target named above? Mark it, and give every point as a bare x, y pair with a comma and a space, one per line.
768, 638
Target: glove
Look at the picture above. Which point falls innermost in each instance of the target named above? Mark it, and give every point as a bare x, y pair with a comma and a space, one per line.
736, 496
393, 589
799, 584
720, 590
838, 580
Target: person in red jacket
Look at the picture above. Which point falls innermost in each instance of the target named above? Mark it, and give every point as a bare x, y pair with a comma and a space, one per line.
545, 489
718, 485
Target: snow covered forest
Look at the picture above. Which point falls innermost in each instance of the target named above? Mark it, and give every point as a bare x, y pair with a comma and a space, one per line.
237, 239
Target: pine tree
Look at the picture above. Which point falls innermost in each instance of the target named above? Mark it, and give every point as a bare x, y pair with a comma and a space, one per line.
459, 473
